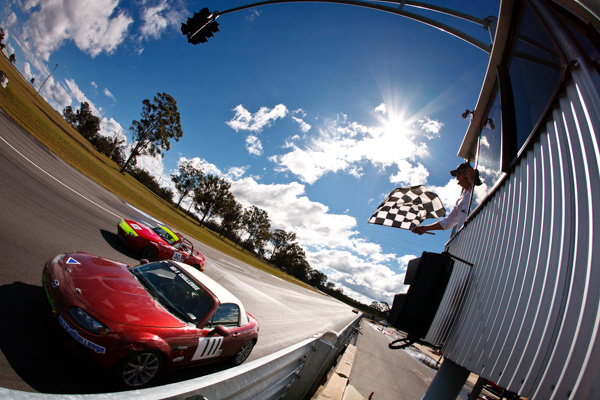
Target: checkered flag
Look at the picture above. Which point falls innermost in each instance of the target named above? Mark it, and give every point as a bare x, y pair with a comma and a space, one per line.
406, 208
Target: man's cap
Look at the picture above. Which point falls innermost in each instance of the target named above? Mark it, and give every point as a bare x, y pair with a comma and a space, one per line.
465, 166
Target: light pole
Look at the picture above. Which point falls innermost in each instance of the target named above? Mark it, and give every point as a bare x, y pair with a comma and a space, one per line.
203, 25
36, 93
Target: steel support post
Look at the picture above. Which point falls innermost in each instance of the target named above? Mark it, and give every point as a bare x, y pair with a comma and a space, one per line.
448, 382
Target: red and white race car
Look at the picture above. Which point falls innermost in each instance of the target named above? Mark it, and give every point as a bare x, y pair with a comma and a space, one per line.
159, 243
138, 321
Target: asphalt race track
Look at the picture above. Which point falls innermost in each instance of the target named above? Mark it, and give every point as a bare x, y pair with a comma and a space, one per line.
49, 208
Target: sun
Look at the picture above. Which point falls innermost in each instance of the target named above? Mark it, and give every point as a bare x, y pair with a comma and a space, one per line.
394, 124
392, 118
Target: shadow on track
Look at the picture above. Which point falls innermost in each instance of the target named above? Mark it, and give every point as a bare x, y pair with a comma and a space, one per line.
35, 351
113, 240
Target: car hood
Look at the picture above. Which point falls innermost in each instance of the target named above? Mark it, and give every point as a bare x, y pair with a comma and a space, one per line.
108, 289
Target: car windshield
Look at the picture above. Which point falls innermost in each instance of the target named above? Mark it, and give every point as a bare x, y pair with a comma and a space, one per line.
165, 235
175, 290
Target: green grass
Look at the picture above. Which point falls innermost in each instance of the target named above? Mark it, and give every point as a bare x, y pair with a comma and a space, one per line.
37, 117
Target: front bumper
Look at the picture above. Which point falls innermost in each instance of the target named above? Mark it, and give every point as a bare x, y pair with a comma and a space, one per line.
98, 350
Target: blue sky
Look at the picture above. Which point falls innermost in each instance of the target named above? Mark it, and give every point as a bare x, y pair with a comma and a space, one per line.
314, 111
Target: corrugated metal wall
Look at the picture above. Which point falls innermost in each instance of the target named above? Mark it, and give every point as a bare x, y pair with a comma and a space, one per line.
530, 316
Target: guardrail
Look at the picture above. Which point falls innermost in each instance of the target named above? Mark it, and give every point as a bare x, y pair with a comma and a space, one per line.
290, 374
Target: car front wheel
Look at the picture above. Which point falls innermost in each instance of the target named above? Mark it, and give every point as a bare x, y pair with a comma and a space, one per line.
149, 253
243, 353
139, 369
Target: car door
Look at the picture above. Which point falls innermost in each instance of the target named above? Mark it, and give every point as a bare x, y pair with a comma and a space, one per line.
228, 316
183, 346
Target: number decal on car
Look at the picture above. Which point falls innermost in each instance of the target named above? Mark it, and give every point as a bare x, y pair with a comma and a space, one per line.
136, 227
177, 256
208, 347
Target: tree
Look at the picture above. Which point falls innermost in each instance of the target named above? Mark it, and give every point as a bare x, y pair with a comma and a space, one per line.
86, 123
317, 278
117, 152
256, 222
231, 216
150, 182
160, 121
281, 241
187, 180
112, 147
2, 44
211, 195
294, 260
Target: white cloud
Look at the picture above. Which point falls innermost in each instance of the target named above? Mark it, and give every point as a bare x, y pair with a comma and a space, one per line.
27, 71
361, 279
409, 174
205, 166
81, 97
252, 14
155, 167
342, 146
254, 145
157, 18
329, 240
108, 94
57, 95
448, 193
245, 121
298, 117
432, 127
484, 141
95, 26
382, 108
153, 20
290, 208
304, 126
10, 20
235, 173
111, 128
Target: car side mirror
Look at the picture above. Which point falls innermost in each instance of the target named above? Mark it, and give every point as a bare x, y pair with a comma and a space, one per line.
221, 330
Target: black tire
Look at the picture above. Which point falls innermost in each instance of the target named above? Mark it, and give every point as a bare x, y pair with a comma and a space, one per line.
400, 343
150, 253
139, 369
198, 267
243, 353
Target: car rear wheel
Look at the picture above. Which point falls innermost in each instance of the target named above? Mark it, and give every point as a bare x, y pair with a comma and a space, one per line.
139, 369
243, 353
149, 253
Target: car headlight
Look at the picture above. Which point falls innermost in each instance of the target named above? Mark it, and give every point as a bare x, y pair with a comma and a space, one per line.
87, 322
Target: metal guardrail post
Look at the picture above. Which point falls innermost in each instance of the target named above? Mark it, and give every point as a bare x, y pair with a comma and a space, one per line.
315, 366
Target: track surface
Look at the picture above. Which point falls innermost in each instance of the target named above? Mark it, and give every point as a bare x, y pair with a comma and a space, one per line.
48, 208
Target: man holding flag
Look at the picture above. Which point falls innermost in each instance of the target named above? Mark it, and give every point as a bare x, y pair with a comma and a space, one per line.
466, 177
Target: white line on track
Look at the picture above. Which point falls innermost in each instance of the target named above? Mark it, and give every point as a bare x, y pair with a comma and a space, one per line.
72, 190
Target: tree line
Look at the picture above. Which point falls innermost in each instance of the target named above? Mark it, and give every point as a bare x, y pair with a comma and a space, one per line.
215, 207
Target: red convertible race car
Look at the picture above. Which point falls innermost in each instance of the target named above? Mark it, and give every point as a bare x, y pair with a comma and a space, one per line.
159, 243
138, 321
